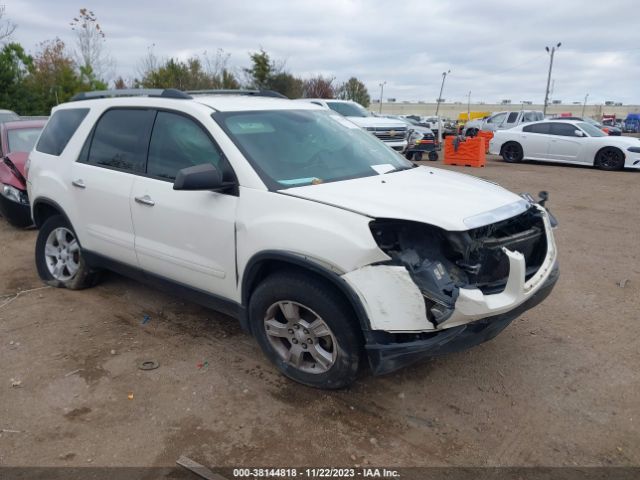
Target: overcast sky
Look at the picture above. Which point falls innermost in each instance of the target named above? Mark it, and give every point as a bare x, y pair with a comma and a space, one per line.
495, 49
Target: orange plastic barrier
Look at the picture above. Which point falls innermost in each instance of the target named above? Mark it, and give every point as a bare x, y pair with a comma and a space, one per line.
470, 152
487, 138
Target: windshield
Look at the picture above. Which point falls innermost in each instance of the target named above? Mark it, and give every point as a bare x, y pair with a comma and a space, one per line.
348, 109
290, 148
23, 139
591, 130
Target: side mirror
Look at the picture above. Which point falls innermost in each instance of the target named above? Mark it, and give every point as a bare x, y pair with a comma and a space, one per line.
578, 133
200, 177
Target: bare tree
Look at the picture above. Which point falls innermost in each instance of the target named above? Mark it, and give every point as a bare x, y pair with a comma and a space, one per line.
319, 87
91, 54
7, 27
149, 63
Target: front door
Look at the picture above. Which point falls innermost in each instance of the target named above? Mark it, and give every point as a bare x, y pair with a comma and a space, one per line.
185, 236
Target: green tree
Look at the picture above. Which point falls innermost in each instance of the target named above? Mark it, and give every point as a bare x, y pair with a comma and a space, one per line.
188, 75
14, 68
286, 84
52, 78
261, 71
354, 89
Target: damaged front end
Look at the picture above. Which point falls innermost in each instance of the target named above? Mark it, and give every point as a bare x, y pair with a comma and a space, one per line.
471, 283
441, 263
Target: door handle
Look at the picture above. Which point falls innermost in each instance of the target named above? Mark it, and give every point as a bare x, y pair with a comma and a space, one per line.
145, 200
78, 183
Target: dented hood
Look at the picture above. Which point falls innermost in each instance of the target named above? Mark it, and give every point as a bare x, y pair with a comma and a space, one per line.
442, 198
11, 171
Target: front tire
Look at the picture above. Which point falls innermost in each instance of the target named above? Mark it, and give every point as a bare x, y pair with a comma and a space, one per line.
433, 156
417, 157
59, 257
306, 329
512, 152
609, 158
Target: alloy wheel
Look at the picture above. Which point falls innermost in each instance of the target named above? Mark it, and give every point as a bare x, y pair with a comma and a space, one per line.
62, 254
300, 337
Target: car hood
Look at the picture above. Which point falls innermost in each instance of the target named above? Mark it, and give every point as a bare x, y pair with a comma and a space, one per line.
449, 200
378, 122
7, 173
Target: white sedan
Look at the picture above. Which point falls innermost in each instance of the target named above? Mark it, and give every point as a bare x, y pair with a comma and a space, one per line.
566, 142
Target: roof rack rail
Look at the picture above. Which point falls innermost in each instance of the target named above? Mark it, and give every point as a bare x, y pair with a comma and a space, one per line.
257, 93
132, 92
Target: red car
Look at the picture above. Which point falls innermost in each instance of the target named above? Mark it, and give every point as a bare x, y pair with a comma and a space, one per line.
16, 141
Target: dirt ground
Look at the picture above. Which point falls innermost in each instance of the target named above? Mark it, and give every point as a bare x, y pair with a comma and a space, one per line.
559, 387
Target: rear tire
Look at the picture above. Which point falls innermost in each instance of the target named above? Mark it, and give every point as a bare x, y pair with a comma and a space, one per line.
417, 157
306, 329
512, 152
609, 158
59, 257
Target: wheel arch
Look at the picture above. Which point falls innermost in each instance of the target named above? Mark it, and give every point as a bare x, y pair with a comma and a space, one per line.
264, 263
606, 147
44, 208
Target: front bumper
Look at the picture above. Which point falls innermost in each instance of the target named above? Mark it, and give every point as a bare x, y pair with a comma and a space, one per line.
399, 145
387, 354
17, 214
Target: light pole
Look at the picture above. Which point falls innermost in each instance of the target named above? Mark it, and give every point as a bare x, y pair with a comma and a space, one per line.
469, 106
444, 77
584, 105
381, 91
546, 95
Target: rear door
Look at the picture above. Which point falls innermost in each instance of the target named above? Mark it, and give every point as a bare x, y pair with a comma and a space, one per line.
535, 141
102, 180
565, 145
185, 236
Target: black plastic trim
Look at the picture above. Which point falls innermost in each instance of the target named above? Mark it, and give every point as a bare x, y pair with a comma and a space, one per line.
206, 299
51, 203
254, 264
388, 353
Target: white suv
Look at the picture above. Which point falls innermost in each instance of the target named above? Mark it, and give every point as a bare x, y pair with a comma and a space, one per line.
391, 131
329, 247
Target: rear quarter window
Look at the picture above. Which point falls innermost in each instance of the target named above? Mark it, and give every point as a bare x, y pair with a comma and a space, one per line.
59, 130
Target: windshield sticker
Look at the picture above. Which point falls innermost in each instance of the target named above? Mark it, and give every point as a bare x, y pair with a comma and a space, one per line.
300, 181
344, 122
241, 127
383, 168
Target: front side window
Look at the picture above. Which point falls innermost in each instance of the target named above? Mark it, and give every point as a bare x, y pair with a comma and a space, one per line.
178, 142
23, 139
348, 109
59, 130
563, 129
591, 130
290, 148
497, 119
8, 117
121, 138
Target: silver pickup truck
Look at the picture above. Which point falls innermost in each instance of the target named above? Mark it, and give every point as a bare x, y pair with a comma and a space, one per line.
502, 121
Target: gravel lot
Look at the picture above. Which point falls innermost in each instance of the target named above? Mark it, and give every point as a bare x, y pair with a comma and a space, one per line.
560, 386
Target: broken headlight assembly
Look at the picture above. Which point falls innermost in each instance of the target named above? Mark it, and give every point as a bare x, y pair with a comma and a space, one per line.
419, 248
441, 262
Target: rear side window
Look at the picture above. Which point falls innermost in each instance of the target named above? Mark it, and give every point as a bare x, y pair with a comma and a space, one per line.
178, 142
121, 138
536, 128
59, 130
